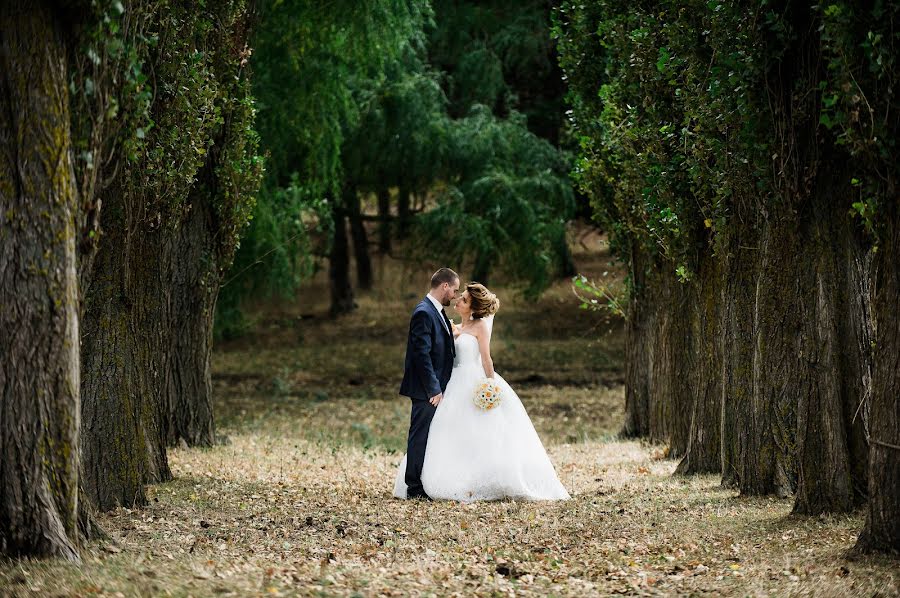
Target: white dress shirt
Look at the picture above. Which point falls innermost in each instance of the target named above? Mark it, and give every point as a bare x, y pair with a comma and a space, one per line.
439, 308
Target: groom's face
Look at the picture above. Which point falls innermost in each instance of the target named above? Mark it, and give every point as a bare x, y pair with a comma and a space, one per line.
448, 292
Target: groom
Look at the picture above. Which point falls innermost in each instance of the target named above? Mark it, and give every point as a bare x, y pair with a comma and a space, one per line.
429, 361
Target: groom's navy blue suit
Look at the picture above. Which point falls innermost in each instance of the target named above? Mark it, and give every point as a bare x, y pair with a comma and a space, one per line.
429, 362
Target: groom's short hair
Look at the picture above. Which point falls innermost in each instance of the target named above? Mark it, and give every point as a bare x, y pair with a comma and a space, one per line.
443, 275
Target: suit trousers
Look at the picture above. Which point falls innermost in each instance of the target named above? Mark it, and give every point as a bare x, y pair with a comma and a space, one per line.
419, 424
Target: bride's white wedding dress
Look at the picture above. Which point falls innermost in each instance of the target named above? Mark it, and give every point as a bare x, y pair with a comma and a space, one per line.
482, 455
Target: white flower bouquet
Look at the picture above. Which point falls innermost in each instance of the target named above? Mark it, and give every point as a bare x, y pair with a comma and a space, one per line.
487, 394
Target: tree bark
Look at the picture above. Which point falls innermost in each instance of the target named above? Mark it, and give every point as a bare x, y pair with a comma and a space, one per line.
703, 453
759, 406
831, 456
154, 285
194, 293
126, 359
384, 220
672, 363
342, 301
641, 320
737, 325
39, 399
658, 400
882, 528
359, 237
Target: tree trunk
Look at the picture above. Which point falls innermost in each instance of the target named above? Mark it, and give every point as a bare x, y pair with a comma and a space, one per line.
566, 264
217, 206
39, 400
882, 527
658, 400
404, 216
360, 238
641, 320
339, 267
126, 359
737, 329
834, 343
194, 294
481, 272
703, 453
384, 220
759, 410
671, 364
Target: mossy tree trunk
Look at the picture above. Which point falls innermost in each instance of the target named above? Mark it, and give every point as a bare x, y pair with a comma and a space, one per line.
882, 527
759, 404
169, 229
769, 434
834, 349
737, 329
126, 359
672, 362
657, 400
703, 454
39, 361
790, 388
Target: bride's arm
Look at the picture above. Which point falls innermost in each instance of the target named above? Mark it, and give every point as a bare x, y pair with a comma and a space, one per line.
484, 347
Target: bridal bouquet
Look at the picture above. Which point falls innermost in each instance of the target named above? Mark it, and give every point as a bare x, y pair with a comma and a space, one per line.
487, 394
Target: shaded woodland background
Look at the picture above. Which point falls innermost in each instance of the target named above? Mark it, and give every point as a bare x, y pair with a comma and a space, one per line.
169, 170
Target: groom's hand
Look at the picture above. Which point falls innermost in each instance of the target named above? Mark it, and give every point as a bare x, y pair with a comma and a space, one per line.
436, 399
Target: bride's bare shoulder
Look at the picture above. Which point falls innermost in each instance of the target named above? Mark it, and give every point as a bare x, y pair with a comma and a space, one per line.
479, 327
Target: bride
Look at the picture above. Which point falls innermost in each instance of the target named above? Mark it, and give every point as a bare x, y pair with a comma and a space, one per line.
473, 454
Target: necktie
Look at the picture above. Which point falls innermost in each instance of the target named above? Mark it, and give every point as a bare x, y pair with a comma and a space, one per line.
449, 330
446, 321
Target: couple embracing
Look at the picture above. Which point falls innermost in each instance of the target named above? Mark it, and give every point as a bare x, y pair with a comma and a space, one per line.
463, 446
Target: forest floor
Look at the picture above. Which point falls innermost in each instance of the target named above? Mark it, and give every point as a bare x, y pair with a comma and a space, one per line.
297, 499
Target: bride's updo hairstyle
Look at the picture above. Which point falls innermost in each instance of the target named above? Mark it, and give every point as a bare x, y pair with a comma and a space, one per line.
484, 303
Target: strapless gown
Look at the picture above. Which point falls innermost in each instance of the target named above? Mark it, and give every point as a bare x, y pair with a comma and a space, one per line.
482, 455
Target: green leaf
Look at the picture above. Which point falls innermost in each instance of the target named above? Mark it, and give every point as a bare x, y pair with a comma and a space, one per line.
663, 59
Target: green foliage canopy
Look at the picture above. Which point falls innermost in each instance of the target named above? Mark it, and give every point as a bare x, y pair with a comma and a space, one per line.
690, 115
307, 60
506, 202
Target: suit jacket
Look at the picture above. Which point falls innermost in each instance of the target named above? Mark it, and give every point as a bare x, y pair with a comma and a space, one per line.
430, 350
